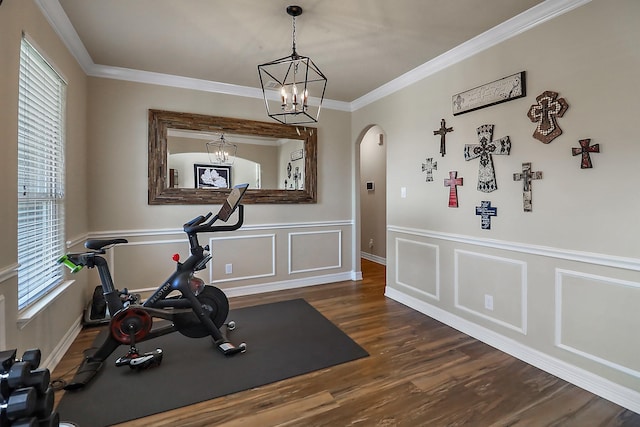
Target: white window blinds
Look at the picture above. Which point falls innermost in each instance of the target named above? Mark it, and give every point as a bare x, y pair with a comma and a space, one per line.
41, 235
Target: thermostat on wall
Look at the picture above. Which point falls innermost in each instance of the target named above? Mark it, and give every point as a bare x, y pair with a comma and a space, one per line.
371, 185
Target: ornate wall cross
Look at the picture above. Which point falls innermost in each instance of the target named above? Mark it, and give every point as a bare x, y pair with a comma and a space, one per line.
428, 167
442, 132
486, 211
485, 149
585, 149
453, 183
545, 113
526, 176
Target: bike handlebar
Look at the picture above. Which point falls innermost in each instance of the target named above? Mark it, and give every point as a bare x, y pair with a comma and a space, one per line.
197, 220
196, 225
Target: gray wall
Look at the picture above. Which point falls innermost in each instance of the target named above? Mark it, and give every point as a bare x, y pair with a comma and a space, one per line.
279, 246
564, 278
55, 324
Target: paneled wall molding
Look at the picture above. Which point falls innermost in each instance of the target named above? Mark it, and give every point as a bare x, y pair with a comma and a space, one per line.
522, 328
436, 262
591, 382
245, 227
338, 250
8, 272
565, 254
271, 273
560, 274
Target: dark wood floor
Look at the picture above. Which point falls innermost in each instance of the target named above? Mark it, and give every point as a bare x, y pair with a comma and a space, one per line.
419, 373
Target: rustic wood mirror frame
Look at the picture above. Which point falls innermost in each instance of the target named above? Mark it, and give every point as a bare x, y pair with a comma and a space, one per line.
160, 193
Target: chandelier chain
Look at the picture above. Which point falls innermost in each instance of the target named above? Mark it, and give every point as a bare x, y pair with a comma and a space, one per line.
293, 35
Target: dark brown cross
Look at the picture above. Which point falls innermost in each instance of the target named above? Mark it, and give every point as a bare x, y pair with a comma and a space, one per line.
442, 132
453, 183
546, 113
584, 149
526, 176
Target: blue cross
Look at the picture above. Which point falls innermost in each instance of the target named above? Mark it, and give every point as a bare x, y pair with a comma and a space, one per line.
486, 211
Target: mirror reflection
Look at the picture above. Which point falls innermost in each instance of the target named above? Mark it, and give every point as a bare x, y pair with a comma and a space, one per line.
196, 159
218, 160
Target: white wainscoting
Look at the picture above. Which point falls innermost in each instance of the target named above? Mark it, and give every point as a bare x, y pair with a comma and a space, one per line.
308, 240
499, 267
567, 293
271, 253
421, 278
597, 322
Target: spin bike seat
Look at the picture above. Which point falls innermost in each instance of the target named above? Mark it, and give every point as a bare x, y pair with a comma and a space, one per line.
98, 244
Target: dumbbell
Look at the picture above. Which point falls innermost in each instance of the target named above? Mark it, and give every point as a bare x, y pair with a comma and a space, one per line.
21, 375
8, 358
21, 403
26, 402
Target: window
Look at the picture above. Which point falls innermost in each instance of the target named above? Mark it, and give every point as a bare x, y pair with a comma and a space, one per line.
41, 102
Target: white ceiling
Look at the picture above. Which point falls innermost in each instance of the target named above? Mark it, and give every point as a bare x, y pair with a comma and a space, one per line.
360, 45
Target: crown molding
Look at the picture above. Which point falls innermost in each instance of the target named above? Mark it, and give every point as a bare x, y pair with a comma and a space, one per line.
525, 21
537, 15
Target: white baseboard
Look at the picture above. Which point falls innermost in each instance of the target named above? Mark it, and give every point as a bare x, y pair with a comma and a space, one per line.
373, 258
286, 284
58, 353
589, 381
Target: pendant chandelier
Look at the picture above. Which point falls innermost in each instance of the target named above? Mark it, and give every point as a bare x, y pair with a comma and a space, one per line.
221, 151
293, 86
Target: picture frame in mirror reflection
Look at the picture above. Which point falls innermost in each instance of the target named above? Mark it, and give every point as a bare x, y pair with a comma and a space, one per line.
211, 176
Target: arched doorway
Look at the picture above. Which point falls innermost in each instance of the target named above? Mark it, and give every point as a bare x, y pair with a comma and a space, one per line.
372, 193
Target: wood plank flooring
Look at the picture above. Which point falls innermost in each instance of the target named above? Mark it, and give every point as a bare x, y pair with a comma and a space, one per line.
419, 373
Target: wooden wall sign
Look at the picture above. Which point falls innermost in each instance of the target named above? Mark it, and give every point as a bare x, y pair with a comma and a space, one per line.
585, 149
545, 113
442, 132
526, 177
502, 90
428, 167
485, 150
453, 183
486, 211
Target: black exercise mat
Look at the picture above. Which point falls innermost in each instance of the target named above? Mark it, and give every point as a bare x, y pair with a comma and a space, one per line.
284, 339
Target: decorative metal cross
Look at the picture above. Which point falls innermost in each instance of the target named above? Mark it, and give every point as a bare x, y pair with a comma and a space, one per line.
484, 150
585, 149
453, 183
442, 132
526, 176
486, 211
429, 166
546, 113
297, 176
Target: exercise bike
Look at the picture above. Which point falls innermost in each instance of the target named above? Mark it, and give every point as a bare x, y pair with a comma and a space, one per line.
199, 310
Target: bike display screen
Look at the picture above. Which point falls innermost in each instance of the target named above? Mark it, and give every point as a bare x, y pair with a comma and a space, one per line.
232, 202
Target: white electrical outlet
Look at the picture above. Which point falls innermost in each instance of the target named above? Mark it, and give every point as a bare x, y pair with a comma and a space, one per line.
370, 243
228, 268
403, 192
488, 302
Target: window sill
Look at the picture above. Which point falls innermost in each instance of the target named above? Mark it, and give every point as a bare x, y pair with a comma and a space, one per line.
27, 315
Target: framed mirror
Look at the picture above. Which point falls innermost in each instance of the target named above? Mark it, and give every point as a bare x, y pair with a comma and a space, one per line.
278, 161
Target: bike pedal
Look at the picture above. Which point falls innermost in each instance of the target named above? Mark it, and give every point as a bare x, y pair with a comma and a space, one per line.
141, 361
